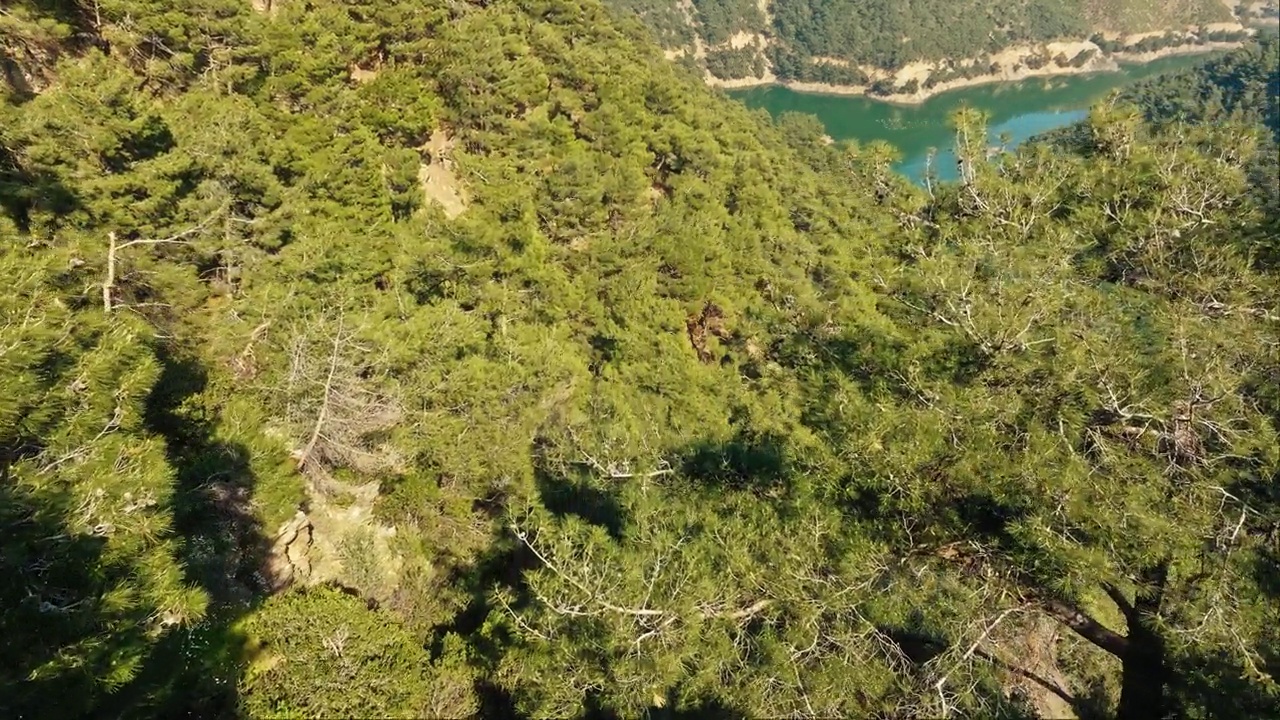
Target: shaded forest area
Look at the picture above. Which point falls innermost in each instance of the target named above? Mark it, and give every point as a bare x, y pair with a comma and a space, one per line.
421, 358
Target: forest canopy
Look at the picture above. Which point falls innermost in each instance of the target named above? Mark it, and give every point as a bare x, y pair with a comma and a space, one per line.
430, 358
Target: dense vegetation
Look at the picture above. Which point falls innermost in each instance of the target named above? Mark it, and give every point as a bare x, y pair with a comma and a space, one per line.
740, 63
890, 34
424, 358
719, 20
670, 27
1239, 89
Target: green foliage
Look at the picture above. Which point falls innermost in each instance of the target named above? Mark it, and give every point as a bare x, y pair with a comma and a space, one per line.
324, 653
1138, 266
655, 629
873, 33
1240, 89
1238, 92
671, 408
720, 20
663, 18
734, 64
93, 582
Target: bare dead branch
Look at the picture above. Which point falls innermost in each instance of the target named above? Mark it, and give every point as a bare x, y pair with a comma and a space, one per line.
745, 613
940, 685
114, 246
327, 396
336, 402
637, 612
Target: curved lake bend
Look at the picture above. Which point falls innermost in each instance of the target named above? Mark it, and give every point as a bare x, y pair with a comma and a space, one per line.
1021, 109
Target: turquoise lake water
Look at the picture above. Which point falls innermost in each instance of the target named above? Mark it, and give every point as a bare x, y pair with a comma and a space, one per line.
1021, 109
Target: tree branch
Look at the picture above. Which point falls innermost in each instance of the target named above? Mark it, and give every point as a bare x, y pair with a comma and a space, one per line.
940, 686
1088, 628
114, 246
110, 280
744, 613
637, 612
324, 405
1034, 677
1117, 597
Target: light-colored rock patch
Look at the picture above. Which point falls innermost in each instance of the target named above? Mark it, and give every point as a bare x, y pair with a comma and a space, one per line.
439, 182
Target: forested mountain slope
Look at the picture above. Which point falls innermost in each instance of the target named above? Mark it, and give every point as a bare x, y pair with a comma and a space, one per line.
409, 358
1241, 87
862, 42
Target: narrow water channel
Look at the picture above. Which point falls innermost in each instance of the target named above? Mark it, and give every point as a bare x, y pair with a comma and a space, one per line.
1021, 109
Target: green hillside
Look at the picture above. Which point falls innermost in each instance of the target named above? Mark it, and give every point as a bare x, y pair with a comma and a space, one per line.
1242, 87
817, 40
426, 358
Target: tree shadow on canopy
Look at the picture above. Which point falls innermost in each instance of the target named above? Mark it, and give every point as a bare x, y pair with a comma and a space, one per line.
23, 191
195, 671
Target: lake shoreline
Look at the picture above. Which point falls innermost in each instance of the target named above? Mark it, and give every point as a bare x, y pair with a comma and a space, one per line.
1020, 110
1112, 62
